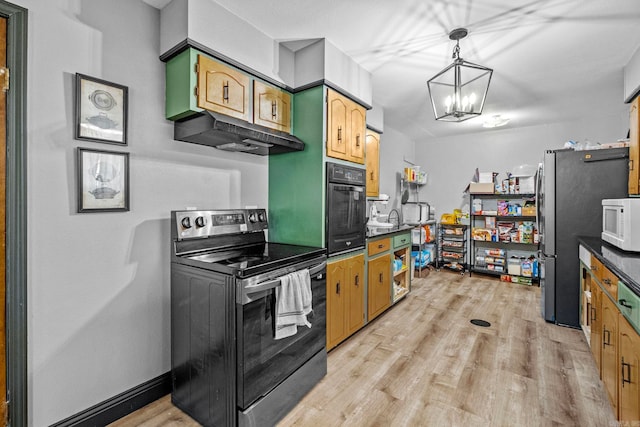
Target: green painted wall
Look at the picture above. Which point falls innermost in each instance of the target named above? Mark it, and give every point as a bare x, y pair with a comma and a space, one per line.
296, 180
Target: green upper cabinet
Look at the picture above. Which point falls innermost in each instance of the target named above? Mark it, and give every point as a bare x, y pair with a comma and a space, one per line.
196, 82
181, 81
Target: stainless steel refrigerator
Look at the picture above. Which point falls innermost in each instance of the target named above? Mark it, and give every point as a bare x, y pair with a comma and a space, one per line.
571, 186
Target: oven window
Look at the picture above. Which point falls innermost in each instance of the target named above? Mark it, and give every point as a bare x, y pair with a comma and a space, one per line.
346, 217
264, 362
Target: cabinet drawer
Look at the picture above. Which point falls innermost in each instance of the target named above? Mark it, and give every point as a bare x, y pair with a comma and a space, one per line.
609, 282
378, 246
629, 304
401, 240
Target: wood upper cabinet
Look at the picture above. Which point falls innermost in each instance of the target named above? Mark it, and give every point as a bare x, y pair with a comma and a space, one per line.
634, 146
628, 383
337, 125
357, 132
345, 298
379, 285
271, 107
346, 128
609, 370
373, 163
222, 89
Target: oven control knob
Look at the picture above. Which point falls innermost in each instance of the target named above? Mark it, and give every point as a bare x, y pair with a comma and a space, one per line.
186, 222
253, 217
200, 222
262, 217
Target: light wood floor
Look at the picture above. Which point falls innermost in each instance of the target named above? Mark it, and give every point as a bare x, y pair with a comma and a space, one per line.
423, 364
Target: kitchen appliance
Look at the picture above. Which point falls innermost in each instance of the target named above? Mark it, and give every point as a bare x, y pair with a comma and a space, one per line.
621, 223
227, 367
416, 213
346, 208
571, 186
232, 134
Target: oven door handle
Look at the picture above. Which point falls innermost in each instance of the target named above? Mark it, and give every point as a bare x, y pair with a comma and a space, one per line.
274, 283
348, 188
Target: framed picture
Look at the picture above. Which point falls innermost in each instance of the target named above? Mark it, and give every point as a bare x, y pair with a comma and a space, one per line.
101, 110
103, 180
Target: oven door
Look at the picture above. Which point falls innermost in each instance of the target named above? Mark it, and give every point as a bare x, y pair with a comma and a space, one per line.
263, 361
346, 217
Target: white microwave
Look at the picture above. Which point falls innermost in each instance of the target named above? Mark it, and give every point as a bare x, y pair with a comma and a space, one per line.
621, 223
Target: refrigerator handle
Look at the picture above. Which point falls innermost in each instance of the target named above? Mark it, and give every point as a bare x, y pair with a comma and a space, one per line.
543, 255
537, 190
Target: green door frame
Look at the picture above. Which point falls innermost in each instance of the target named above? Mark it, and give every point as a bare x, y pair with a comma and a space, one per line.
16, 213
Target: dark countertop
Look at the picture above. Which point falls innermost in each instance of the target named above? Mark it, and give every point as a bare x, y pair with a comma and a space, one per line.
380, 232
625, 265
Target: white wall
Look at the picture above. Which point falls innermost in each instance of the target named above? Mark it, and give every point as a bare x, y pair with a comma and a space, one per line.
395, 147
98, 283
451, 162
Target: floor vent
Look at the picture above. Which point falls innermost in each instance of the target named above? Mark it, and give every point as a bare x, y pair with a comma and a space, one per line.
482, 323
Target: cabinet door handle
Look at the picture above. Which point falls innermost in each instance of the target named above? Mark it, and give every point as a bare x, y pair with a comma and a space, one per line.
372, 176
380, 246
628, 377
593, 314
607, 281
225, 91
339, 133
625, 304
358, 140
380, 277
338, 288
274, 109
631, 164
357, 280
608, 335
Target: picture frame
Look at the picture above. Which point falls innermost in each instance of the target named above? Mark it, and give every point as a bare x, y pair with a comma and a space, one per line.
102, 180
101, 110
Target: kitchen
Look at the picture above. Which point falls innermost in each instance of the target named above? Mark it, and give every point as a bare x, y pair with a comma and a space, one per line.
111, 290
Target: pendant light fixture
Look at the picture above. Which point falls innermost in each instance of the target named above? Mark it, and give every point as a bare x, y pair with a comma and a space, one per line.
458, 92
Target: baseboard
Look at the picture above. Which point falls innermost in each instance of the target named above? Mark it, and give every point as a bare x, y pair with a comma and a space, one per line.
123, 404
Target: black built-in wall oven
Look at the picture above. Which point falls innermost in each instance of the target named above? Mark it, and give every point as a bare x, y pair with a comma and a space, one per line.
346, 208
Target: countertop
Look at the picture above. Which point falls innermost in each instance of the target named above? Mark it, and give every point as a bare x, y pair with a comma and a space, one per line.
625, 265
380, 231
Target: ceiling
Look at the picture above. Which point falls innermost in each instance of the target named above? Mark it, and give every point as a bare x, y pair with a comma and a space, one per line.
553, 60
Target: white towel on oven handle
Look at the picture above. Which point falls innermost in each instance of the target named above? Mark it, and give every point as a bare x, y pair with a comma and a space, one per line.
293, 303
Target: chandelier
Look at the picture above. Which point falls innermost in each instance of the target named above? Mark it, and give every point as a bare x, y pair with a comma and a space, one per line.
458, 92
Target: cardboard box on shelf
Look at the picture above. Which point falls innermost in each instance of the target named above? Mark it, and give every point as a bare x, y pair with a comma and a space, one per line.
487, 177
481, 188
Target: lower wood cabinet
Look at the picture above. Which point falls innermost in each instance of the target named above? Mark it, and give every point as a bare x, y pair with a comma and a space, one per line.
379, 285
345, 298
629, 358
609, 367
596, 323
614, 341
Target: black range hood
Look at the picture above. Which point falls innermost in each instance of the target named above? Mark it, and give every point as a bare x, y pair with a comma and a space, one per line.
231, 134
